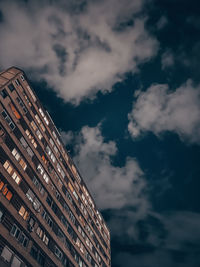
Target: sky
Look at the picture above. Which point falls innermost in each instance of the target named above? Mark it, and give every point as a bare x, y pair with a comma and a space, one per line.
121, 80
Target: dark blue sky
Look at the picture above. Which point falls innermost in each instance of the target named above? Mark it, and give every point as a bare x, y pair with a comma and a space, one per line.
122, 83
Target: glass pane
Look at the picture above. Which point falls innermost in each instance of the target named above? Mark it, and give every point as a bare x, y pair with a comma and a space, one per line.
6, 254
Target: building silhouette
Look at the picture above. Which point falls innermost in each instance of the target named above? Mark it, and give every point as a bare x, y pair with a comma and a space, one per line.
47, 215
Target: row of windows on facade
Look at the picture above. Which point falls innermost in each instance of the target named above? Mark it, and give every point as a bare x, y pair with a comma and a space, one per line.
73, 220
45, 177
23, 240
58, 166
53, 157
62, 174
36, 203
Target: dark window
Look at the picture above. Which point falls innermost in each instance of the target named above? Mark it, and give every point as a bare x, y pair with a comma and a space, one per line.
11, 87
34, 252
4, 93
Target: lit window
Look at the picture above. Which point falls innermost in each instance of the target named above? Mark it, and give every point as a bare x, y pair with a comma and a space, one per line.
9, 169
24, 213
45, 239
51, 142
37, 118
39, 134
16, 177
39, 232
33, 125
75, 194
6, 164
7, 193
23, 164
45, 119
18, 158
46, 178
41, 112
31, 92
40, 169
15, 112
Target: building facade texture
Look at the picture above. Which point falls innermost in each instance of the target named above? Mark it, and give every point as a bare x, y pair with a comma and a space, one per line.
47, 215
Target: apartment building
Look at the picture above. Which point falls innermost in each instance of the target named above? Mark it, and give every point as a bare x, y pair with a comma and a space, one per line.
47, 215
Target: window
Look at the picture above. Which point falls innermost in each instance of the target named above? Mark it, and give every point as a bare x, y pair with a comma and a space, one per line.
39, 232
15, 231
32, 198
2, 133
5, 191
23, 240
75, 194
37, 118
16, 177
58, 252
47, 218
72, 217
33, 125
15, 112
30, 195
21, 103
22, 77
25, 145
17, 82
1, 214
46, 178
45, 119
31, 138
31, 92
39, 134
7, 254
57, 195
45, 239
24, 213
4, 93
38, 185
9, 169
40, 169
16, 262
37, 255
19, 158
8, 119
11, 87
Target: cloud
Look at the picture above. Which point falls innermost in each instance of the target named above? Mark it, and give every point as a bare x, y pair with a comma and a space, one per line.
78, 47
159, 109
171, 239
111, 186
167, 60
162, 22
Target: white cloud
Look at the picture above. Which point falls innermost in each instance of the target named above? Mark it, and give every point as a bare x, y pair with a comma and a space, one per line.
77, 52
159, 109
167, 60
111, 186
